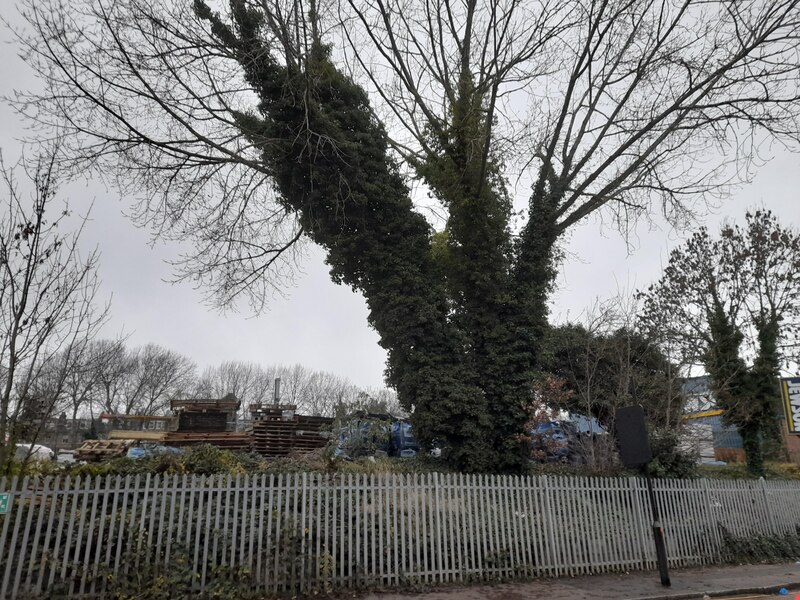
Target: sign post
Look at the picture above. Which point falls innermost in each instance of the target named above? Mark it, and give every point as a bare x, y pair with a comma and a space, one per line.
658, 532
635, 453
4, 503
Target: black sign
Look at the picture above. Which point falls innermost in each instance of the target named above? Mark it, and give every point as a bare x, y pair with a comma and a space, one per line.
634, 447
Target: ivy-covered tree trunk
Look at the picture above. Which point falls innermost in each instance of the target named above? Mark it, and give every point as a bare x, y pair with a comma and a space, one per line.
764, 383
330, 160
753, 447
730, 381
748, 396
489, 300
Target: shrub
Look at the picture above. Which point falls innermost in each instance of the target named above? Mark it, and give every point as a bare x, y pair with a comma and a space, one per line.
783, 471
669, 460
760, 548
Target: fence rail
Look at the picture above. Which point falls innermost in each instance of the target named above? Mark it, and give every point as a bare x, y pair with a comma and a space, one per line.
308, 532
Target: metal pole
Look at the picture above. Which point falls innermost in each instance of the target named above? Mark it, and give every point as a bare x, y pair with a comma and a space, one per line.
277, 395
658, 532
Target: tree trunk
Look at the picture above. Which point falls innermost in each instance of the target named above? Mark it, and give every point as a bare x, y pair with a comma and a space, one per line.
753, 450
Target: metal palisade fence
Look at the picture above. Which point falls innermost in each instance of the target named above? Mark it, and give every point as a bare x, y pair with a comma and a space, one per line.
308, 532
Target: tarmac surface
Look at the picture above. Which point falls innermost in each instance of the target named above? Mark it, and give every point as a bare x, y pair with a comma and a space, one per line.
747, 581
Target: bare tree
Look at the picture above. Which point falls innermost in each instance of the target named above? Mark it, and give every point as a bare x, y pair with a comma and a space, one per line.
79, 365
112, 367
47, 295
158, 375
326, 391
247, 381
121, 380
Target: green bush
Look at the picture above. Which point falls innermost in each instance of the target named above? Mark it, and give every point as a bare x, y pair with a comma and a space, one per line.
780, 471
669, 460
202, 459
760, 548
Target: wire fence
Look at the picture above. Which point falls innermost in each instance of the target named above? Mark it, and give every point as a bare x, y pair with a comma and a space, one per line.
306, 532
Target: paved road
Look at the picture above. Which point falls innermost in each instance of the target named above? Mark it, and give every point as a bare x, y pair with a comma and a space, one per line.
688, 584
752, 597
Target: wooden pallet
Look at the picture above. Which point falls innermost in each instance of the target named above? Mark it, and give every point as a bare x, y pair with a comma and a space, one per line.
274, 436
97, 450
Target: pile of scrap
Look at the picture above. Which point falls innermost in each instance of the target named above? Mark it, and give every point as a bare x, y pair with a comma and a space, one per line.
279, 431
101, 450
207, 421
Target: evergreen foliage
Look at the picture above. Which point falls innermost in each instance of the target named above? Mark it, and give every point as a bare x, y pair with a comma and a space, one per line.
457, 322
608, 370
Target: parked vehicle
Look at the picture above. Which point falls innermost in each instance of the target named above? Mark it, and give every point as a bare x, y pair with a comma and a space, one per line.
554, 441
370, 434
402, 442
564, 440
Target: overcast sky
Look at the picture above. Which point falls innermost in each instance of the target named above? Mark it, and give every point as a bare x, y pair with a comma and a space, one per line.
321, 325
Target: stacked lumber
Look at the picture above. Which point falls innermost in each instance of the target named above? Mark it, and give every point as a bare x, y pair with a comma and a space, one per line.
202, 421
278, 431
228, 440
142, 436
98, 450
227, 404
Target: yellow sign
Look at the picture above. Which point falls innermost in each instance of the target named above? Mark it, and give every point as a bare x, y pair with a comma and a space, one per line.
790, 389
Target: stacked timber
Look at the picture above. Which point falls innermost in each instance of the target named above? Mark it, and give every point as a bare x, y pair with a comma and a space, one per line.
202, 421
207, 421
279, 431
228, 440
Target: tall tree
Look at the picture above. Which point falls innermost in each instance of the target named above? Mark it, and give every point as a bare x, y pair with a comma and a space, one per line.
78, 363
247, 131
247, 381
158, 375
47, 294
731, 305
112, 366
606, 370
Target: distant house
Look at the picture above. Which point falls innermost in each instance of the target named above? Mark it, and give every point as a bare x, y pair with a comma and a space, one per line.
62, 432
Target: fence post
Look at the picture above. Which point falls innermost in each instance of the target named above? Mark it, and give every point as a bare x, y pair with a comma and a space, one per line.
713, 525
641, 528
552, 543
770, 520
